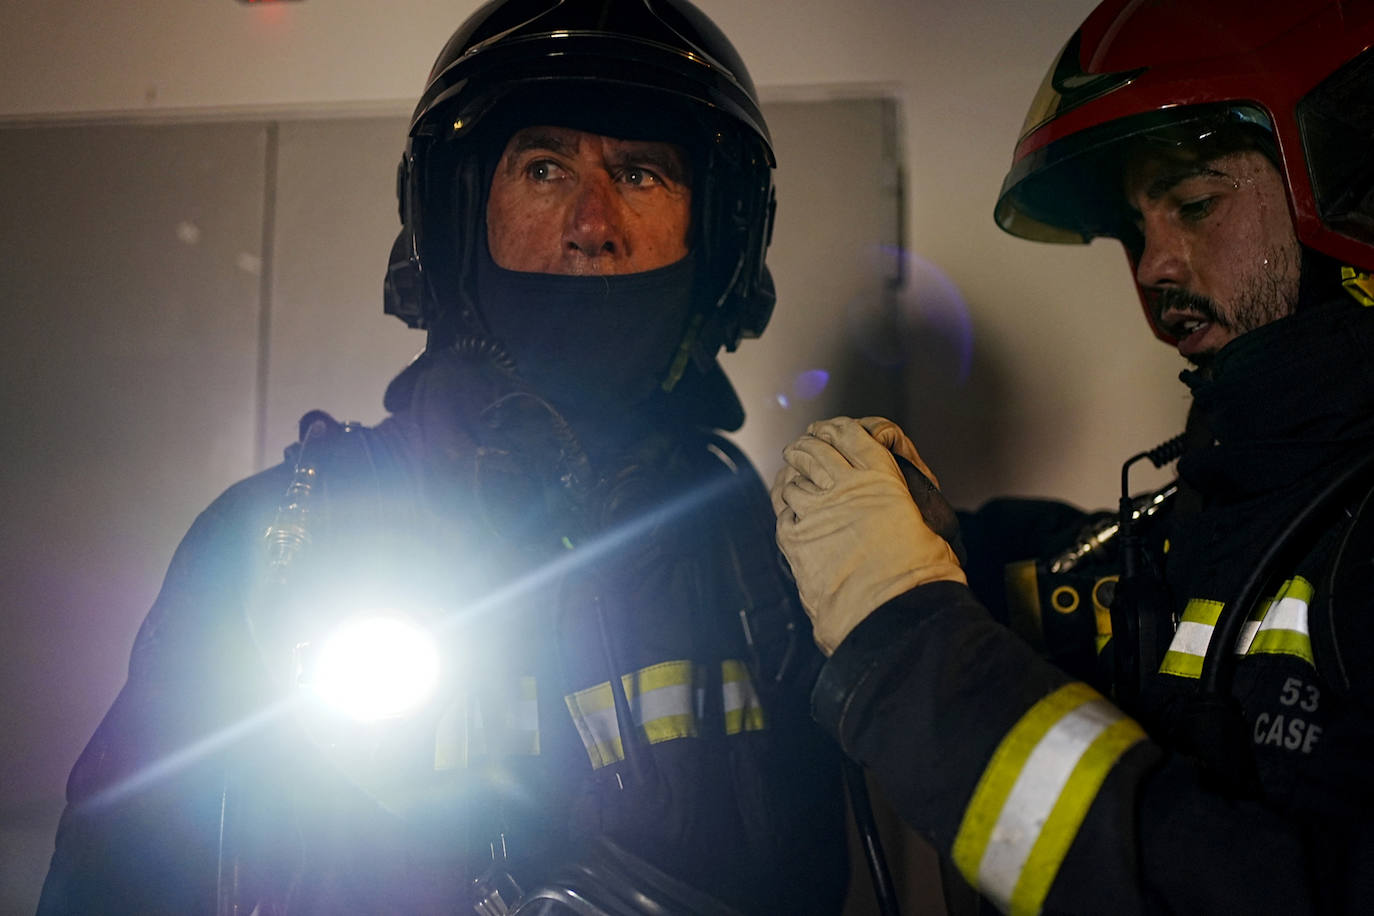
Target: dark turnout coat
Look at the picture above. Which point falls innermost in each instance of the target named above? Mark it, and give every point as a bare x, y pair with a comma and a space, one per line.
574, 576
1044, 792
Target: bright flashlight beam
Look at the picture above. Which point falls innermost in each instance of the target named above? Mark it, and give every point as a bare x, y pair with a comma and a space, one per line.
632, 531
173, 763
234, 733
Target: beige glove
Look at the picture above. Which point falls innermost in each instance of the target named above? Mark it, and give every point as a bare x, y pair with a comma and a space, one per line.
848, 526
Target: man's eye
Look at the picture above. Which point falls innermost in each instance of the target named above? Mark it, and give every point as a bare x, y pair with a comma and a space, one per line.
543, 170
1194, 210
639, 177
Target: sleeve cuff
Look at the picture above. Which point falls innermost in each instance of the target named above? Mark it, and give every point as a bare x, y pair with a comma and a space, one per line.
879, 636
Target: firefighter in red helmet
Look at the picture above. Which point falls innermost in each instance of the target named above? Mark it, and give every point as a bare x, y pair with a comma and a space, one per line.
1183, 719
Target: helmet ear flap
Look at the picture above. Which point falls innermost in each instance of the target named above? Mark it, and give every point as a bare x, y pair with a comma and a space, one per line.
402, 294
739, 202
760, 295
401, 288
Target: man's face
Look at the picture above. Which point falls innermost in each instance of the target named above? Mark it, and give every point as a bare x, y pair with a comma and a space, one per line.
1220, 256
565, 201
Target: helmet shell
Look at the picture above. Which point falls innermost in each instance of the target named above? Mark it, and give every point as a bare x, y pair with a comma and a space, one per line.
1298, 71
617, 55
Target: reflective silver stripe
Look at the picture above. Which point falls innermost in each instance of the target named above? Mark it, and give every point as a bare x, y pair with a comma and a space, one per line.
1284, 630
660, 698
462, 733
1189, 645
1279, 628
1192, 638
665, 704
522, 726
1033, 795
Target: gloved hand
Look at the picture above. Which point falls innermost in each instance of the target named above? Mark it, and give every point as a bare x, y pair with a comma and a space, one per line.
849, 527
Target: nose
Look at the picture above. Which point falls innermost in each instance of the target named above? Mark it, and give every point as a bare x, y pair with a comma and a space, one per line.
1164, 256
595, 225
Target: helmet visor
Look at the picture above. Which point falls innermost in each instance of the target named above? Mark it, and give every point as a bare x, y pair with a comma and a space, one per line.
1070, 189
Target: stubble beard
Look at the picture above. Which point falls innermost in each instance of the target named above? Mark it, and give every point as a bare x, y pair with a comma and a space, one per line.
1267, 293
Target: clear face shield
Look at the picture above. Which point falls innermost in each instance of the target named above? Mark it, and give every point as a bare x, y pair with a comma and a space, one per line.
1070, 190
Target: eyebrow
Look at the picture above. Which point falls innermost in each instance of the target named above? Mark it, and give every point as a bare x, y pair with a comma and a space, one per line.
1166, 181
660, 157
534, 138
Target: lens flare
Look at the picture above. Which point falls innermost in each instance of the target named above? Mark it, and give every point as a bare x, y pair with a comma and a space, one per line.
810, 384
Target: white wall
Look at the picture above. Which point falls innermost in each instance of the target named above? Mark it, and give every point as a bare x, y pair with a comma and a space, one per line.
1061, 358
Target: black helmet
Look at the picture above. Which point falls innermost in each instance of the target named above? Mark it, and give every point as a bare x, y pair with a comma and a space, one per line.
607, 56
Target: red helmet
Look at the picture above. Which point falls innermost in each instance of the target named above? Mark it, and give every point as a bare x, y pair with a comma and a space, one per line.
1298, 75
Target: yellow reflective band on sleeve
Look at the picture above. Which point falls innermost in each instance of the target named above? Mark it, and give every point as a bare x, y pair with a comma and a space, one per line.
1189, 646
1035, 792
1283, 629
743, 711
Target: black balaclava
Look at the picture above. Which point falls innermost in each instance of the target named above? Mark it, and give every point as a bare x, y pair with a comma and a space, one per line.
588, 344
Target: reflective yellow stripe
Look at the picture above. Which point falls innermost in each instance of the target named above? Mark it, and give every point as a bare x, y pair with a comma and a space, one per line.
1189, 645
1283, 631
743, 711
663, 703
660, 698
1068, 813
1034, 793
1278, 627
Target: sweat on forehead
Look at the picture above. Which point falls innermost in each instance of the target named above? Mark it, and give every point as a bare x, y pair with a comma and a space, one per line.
1189, 148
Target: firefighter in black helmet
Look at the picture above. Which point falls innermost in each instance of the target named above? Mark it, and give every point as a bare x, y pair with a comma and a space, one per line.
614, 718
661, 72
1201, 741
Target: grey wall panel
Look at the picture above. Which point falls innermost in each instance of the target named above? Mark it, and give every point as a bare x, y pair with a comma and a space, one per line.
127, 364
829, 347
330, 345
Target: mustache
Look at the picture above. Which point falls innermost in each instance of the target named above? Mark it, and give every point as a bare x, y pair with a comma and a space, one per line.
1174, 298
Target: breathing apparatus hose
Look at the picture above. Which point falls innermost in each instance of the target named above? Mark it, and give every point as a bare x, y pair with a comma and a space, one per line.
878, 871
1210, 724
1219, 663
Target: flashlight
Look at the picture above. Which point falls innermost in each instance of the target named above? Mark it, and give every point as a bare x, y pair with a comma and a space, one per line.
373, 667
